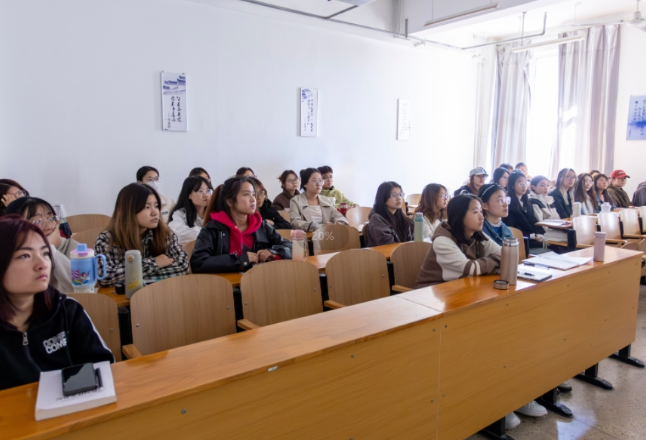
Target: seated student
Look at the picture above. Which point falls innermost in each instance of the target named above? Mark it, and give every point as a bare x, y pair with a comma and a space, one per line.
459, 248
387, 221
593, 173
150, 176
136, 225
42, 214
310, 210
521, 166
245, 171
639, 196
521, 212
187, 216
540, 200
616, 188
563, 193
236, 238
585, 194
477, 178
500, 176
289, 182
432, 205
10, 190
200, 172
601, 183
33, 312
507, 166
328, 187
495, 204
266, 210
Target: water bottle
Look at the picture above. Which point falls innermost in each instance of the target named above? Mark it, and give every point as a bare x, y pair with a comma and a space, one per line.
134, 278
419, 226
576, 209
85, 268
509, 261
299, 245
605, 207
599, 246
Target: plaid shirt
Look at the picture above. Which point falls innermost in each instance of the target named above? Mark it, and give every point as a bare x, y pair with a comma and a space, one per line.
116, 271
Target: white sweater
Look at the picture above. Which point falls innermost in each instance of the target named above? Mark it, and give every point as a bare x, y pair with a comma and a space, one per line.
178, 225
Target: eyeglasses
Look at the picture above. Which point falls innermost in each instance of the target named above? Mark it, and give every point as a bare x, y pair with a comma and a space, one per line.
504, 200
292, 180
314, 182
153, 179
18, 194
40, 221
261, 194
400, 195
203, 193
570, 177
444, 196
327, 177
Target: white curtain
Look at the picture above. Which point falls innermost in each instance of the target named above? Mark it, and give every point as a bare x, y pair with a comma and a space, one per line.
512, 100
588, 81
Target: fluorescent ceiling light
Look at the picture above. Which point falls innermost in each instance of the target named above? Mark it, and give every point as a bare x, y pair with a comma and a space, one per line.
548, 43
462, 15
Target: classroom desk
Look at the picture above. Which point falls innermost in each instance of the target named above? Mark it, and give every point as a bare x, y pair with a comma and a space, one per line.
437, 363
553, 226
320, 261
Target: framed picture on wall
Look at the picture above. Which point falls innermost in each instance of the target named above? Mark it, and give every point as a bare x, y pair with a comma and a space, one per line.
173, 94
636, 119
309, 112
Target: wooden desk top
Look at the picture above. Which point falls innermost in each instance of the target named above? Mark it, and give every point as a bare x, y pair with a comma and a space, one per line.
467, 292
320, 261
169, 375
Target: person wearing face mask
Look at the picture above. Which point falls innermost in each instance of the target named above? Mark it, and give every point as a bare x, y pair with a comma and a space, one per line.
563, 193
33, 312
42, 214
150, 176
266, 210
460, 249
329, 190
432, 205
495, 205
477, 177
236, 238
188, 214
289, 182
387, 221
310, 210
616, 188
136, 225
585, 194
521, 213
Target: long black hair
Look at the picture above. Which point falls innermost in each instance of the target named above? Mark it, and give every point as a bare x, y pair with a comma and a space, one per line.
190, 185
398, 221
497, 174
457, 210
515, 201
306, 174
227, 192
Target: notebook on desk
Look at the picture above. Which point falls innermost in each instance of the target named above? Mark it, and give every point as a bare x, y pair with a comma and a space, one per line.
556, 261
533, 274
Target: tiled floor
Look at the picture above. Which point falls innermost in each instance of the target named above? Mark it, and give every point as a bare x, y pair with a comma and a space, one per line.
598, 414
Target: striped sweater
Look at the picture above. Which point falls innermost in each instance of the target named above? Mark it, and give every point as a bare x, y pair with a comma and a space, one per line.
448, 261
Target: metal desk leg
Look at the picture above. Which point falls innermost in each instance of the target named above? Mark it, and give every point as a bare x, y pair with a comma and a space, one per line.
624, 356
591, 376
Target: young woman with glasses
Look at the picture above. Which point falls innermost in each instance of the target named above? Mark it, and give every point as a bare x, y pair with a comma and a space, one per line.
310, 210
10, 190
521, 213
42, 214
388, 223
585, 194
563, 193
289, 182
495, 204
432, 205
266, 210
187, 217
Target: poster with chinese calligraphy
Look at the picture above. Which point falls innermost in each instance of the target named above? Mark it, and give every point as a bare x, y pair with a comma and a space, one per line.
403, 120
636, 118
173, 91
309, 112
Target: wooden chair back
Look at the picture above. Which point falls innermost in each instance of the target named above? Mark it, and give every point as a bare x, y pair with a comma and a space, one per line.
608, 223
284, 214
279, 291
285, 233
358, 215
407, 260
357, 276
103, 312
182, 310
522, 251
413, 199
83, 222
631, 246
335, 238
585, 227
188, 248
630, 219
88, 236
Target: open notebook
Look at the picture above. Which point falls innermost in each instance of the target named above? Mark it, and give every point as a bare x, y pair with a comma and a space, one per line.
556, 261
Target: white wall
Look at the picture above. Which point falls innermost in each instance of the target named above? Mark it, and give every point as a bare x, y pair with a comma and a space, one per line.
80, 108
630, 156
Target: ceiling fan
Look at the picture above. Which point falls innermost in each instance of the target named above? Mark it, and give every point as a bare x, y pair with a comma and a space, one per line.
638, 21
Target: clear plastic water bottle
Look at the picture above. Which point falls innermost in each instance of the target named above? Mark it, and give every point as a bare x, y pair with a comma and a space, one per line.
576, 209
419, 227
509, 261
605, 207
134, 278
299, 245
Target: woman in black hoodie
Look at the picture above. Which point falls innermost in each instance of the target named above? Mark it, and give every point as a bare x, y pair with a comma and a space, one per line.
521, 212
40, 328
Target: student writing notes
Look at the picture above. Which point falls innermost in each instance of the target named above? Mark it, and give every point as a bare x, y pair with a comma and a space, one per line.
136, 225
310, 210
150, 176
432, 205
236, 238
187, 215
459, 247
563, 193
289, 182
40, 328
388, 223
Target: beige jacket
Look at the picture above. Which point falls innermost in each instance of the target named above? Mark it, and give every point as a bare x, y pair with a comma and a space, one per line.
300, 214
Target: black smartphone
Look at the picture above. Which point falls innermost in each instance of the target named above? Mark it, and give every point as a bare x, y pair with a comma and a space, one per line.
79, 378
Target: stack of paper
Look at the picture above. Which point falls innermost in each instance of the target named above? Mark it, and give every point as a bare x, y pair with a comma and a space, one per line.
552, 259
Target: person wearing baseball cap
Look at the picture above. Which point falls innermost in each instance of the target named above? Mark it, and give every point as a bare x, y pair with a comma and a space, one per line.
616, 188
477, 177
